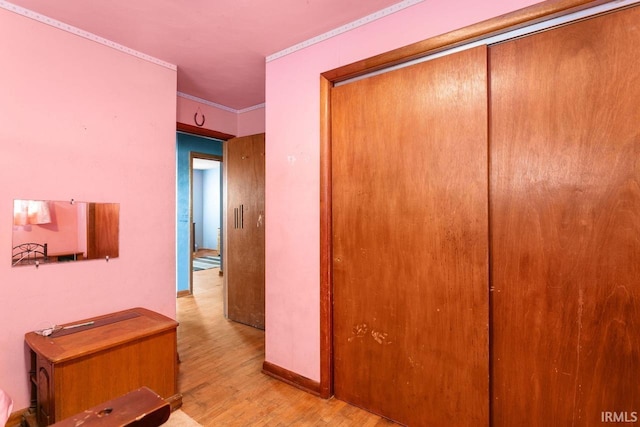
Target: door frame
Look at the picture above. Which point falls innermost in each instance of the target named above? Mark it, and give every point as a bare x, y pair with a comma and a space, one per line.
537, 13
207, 133
196, 155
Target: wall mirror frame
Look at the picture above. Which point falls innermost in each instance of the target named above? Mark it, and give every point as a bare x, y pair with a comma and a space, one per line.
50, 231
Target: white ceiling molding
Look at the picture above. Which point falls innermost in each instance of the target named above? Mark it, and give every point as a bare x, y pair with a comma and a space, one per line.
84, 34
347, 27
255, 107
219, 106
205, 102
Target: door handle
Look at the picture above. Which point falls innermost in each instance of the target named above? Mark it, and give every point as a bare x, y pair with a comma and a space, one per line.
238, 217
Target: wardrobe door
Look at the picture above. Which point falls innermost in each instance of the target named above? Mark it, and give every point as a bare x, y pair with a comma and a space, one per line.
565, 224
244, 251
409, 203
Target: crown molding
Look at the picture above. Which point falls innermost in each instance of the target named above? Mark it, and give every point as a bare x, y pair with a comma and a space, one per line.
255, 107
343, 29
220, 106
205, 102
84, 34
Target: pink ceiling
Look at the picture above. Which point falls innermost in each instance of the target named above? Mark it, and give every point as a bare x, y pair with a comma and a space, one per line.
219, 46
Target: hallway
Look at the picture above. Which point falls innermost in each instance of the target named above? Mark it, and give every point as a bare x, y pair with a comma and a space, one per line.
220, 372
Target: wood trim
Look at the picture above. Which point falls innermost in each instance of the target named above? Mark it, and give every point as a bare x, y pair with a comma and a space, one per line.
326, 290
520, 18
195, 130
291, 378
510, 21
225, 239
183, 293
192, 237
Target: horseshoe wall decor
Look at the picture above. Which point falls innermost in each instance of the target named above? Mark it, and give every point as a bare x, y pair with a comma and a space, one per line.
195, 119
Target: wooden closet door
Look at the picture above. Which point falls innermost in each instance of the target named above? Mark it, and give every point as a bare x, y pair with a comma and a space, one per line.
244, 250
409, 202
565, 224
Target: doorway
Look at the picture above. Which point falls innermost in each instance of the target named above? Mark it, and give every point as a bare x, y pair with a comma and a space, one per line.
206, 212
188, 145
243, 215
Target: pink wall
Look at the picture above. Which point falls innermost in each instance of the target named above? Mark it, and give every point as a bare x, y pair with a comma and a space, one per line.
249, 121
215, 118
292, 165
84, 121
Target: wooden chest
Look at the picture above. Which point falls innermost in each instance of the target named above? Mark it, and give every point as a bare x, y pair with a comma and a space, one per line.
79, 367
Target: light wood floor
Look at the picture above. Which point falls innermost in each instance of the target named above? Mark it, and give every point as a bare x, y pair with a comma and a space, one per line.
220, 372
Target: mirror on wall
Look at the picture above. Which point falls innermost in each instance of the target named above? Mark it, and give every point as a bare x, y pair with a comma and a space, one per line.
47, 231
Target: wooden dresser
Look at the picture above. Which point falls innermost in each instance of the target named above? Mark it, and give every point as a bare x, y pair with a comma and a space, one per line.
79, 367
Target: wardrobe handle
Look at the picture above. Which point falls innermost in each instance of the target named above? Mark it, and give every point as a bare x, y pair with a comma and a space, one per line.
238, 217
235, 217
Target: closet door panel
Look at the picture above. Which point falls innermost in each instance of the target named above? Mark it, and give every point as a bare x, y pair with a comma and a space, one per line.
409, 202
565, 224
244, 256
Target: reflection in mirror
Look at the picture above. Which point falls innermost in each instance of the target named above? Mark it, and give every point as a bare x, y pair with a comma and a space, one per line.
46, 231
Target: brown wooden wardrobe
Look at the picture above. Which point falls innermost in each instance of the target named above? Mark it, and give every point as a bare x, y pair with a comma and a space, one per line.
485, 232
244, 221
